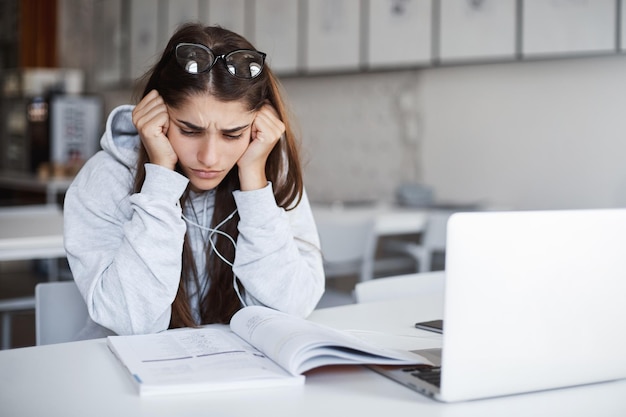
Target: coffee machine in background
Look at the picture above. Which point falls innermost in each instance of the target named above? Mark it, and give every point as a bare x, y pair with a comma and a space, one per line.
49, 127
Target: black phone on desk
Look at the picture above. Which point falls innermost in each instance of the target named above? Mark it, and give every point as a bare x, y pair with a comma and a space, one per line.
432, 325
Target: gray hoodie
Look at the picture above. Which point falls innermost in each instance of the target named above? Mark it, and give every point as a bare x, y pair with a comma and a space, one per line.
124, 249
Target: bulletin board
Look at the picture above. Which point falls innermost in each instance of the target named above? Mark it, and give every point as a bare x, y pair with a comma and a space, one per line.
276, 33
179, 12
568, 26
229, 14
333, 33
477, 30
107, 65
144, 22
399, 33
622, 25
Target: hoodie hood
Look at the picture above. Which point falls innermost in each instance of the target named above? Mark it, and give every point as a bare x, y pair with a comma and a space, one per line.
121, 139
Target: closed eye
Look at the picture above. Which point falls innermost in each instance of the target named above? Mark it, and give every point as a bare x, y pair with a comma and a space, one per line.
234, 133
189, 129
233, 137
188, 132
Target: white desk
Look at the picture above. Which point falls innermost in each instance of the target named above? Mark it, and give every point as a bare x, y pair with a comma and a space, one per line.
52, 187
28, 232
84, 379
390, 220
31, 232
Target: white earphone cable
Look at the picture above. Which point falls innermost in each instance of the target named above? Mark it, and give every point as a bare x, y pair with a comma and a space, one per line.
213, 232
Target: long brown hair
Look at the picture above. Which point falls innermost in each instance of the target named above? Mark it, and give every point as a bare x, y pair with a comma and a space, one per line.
282, 168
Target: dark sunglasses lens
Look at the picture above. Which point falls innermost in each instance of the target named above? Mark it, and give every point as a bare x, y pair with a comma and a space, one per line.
193, 58
244, 64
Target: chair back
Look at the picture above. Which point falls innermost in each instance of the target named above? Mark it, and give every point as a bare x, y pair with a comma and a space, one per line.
434, 238
60, 312
348, 244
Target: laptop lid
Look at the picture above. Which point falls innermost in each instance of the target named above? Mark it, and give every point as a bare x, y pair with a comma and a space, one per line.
534, 300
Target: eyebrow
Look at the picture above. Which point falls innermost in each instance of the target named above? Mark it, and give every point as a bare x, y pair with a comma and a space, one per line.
192, 126
234, 129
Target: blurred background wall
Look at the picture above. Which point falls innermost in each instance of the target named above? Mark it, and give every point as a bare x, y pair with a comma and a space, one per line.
537, 124
528, 135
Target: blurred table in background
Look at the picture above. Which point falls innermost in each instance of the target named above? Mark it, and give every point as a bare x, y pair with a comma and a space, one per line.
390, 219
408, 236
50, 188
31, 232
28, 233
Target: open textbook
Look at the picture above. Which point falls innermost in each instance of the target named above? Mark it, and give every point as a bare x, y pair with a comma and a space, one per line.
261, 347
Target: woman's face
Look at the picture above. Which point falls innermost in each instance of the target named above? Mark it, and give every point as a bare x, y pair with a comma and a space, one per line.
209, 137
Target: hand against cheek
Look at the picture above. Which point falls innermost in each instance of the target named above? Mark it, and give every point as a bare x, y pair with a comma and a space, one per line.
152, 120
266, 131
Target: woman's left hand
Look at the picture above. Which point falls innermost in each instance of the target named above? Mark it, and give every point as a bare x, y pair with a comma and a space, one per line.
267, 129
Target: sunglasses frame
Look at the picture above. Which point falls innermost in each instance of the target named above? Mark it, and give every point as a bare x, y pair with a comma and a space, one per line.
183, 61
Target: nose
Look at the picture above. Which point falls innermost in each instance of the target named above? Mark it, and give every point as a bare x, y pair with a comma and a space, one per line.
208, 151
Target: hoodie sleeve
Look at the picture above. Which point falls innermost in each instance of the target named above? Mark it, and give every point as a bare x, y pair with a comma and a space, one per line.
124, 249
278, 257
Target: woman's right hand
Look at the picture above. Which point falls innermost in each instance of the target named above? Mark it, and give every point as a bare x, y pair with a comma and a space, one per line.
152, 120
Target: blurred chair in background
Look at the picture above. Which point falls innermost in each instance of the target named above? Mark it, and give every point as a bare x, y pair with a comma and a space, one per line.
9, 307
399, 286
433, 241
348, 243
348, 247
60, 312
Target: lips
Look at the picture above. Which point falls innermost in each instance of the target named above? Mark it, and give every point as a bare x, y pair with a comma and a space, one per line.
206, 175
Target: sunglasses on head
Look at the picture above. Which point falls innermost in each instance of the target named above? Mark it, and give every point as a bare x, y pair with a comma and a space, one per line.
241, 63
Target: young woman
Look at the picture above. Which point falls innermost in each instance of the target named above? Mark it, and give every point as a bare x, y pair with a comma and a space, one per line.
195, 206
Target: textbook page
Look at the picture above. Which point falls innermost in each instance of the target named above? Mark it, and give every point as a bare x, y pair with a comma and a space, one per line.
195, 360
299, 345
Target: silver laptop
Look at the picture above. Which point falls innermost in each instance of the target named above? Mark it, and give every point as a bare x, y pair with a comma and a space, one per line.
534, 300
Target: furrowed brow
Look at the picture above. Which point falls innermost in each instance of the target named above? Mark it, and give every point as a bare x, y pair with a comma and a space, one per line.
234, 129
191, 126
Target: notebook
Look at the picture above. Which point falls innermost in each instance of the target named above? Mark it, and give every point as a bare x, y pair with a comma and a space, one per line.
534, 300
